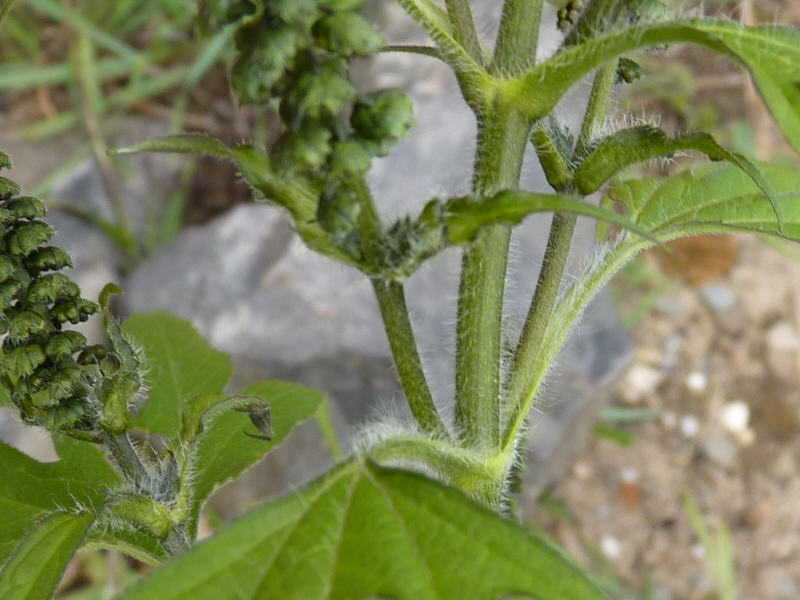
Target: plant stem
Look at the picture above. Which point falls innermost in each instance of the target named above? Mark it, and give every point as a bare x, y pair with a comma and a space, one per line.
392, 303
502, 138
515, 49
464, 26
394, 312
127, 459
523, 379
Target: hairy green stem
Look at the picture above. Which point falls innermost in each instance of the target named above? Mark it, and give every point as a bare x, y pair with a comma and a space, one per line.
524, 380
464, 26
126, 458
515, 49
471, 472
502, 138
392, 303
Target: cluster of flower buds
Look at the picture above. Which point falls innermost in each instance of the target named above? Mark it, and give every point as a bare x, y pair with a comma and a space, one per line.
296, 53
53, 376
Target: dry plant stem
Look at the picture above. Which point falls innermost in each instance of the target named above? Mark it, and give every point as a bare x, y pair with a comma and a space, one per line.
502, 137
515, 50
461, 16
523, 379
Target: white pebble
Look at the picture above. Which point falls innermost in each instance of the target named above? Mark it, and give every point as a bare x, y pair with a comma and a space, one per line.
629, 475
610, 547
697, 381
689, 426
669, 419
698, 551
641, 382
735, 416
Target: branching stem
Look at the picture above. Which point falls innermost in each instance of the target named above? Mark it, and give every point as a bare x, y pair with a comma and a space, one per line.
515, 50
502, 138
524, 378
126, 458
461, 17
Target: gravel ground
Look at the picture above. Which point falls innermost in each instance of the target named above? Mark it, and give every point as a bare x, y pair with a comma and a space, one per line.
717, 361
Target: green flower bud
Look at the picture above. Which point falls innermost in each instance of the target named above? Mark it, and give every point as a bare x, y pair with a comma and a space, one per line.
64, 343
346, 34
628, 71
92, 355
382, 116
266, 53
48, 288
24, 324
337, 213
26, 207
215, 14
319, 92
48, 258
7, 267
305, 149
21, 362
300, 12
7, 188
349, 158
27, 237
8, 290
73, 310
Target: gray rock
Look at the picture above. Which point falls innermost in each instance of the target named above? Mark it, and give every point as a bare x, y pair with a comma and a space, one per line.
718, 297
720, 448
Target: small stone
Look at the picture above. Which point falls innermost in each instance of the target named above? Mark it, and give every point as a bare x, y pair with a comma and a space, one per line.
629, 475
735, 416
640, 382
782, 350
698, 551
582, 470
718, 297
689, 426
669, 419
670, 306
611, 547
697, 381
720, 448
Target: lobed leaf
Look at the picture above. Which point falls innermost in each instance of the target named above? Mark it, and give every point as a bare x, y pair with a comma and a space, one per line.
180, 364
29, 489
224, 450
364, 531
35, 567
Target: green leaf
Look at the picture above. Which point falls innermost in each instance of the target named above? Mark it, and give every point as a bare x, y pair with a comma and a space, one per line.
29, 489
35, 567
638, 144
771, 54
185, 143
180, 364
224, 450
364, 531
465, 216
709, 199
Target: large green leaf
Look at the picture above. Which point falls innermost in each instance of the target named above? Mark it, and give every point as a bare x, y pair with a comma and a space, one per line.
362, 531
35, 567
224, 451
180, 364
772, 54
29, 489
